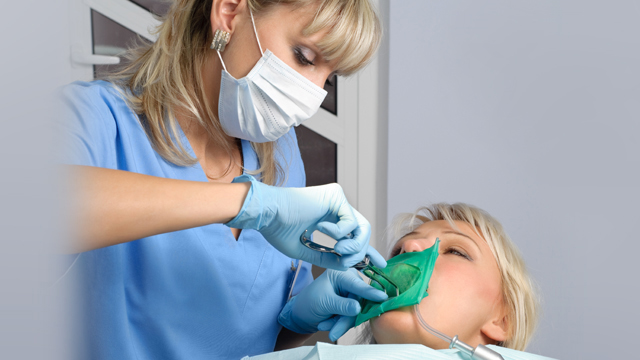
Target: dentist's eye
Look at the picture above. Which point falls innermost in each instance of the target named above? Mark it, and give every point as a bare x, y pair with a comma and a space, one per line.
457, 252
303, 58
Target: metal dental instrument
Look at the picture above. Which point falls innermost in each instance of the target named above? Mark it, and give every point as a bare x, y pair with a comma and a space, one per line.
367, 269
481, 352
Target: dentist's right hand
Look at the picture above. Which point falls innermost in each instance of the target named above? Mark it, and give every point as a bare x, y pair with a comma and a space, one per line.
330, 302
282, 215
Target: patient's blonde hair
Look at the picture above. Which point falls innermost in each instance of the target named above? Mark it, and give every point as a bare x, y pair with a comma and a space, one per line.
165, 76
517, 287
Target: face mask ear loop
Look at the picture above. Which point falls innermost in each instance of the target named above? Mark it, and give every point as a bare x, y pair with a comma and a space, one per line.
220, 56
255, 31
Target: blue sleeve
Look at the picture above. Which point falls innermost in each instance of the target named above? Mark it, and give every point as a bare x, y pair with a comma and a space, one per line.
87, 128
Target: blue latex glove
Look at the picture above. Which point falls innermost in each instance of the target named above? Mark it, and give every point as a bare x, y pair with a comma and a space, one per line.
282, 215
330, 302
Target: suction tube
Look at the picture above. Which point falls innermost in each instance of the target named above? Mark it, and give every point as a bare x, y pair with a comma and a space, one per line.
429, 328
479, 353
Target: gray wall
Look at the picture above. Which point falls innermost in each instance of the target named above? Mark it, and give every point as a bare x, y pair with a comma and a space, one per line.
35, 53
530, 110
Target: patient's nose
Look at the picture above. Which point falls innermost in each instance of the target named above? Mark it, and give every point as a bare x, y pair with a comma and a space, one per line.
415, 245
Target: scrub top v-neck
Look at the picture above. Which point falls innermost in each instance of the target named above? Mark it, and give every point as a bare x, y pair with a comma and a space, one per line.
189, 294
249, 161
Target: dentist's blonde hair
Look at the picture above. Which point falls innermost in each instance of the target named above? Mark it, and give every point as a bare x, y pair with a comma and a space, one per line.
165, 76
518, 292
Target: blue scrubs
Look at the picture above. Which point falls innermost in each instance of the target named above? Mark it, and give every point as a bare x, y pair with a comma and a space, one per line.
190, 294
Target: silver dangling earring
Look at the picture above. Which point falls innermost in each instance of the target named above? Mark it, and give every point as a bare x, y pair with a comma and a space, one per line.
220, 40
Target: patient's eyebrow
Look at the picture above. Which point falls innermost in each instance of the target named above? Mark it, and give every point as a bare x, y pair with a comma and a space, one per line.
464, 235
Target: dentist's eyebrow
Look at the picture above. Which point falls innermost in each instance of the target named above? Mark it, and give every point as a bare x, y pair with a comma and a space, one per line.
463, 235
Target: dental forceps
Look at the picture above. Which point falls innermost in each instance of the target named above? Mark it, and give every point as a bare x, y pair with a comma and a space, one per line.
364, 266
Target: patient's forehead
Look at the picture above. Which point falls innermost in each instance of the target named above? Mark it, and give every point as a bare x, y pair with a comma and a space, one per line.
438, 226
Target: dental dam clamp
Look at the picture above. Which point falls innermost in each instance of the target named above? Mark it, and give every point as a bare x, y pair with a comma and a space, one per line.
367, 269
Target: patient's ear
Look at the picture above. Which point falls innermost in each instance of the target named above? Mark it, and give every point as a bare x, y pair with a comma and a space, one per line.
496, 328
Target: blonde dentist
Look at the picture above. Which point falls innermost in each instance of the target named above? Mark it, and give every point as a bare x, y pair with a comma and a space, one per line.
154, 152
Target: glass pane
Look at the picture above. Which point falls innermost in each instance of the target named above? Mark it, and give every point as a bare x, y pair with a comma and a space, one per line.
330, 103
319, 155
158, 7
110, 38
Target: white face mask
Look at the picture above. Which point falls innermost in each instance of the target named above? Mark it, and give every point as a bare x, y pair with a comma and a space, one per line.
266, 103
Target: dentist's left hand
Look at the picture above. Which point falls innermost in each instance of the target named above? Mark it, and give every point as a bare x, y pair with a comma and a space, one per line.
282, 215
329, 303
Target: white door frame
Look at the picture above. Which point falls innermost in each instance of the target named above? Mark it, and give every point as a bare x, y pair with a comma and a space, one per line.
373, 130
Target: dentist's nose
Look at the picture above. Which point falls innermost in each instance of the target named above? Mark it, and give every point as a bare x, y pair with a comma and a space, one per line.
321, 76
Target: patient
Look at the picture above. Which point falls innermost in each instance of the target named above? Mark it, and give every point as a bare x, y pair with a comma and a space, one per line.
480, 289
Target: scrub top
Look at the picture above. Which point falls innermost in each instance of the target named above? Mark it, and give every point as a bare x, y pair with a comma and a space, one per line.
190, 294
323, 351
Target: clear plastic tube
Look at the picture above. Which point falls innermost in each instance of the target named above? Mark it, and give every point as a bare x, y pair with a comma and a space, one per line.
426, 326
481, 352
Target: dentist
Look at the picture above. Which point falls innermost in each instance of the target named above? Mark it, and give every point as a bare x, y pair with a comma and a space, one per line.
189, 189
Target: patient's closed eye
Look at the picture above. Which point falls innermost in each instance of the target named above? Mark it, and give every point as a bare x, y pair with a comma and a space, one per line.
457, 252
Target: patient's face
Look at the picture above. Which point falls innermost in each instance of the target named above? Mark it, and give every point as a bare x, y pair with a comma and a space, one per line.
465, 297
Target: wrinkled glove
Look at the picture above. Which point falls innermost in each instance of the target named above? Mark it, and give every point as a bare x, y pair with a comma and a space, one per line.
330, 302
282, 215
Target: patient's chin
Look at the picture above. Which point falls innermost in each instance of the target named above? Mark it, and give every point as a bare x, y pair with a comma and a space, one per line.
401, 327
395, 327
